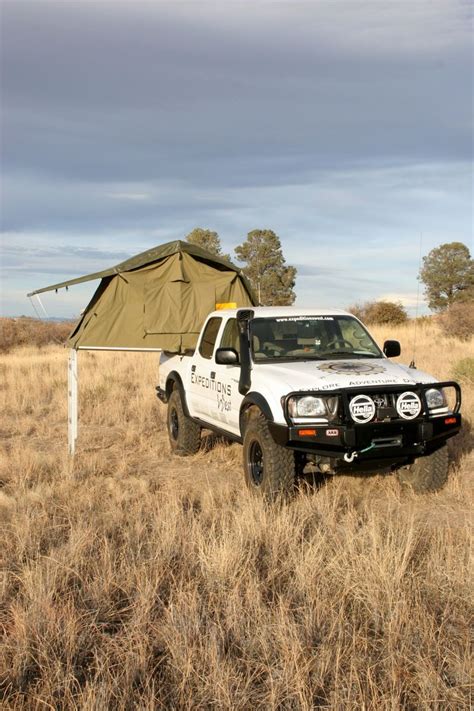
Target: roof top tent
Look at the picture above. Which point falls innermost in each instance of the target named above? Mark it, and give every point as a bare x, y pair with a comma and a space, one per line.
157, 300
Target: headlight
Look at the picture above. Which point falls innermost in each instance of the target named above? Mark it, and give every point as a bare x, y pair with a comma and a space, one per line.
306, 406
435, 398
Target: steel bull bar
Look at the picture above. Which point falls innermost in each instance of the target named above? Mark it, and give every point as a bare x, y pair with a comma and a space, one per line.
384, 437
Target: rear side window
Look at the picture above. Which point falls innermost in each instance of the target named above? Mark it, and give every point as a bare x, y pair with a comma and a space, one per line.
208, 340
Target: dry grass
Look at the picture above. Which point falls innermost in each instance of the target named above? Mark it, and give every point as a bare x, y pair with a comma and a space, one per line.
25, 331
136, 580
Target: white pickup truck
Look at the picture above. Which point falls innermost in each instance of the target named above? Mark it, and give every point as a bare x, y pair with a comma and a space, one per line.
301, 387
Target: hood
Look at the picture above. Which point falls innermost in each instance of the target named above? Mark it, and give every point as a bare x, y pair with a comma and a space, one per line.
340, 373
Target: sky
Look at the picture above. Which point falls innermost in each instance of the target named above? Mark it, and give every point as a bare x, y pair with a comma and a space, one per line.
343, 125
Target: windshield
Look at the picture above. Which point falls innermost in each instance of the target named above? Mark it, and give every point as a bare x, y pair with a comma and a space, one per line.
310, 338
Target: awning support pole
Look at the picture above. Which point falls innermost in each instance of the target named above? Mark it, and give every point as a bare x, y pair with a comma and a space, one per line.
72, 401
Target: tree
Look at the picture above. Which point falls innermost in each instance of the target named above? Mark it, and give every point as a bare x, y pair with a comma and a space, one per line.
448, 275
207, 240
266, 268
380, 312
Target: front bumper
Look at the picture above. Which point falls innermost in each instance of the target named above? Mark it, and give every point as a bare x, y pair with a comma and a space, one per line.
373, 441
376, 440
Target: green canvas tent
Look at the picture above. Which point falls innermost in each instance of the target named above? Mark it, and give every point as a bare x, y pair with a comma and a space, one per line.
158, 299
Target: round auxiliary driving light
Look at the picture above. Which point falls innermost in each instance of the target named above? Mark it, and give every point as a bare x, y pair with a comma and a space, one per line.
362, 408
408, 405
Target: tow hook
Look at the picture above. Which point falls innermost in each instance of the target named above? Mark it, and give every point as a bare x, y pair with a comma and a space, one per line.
350, 457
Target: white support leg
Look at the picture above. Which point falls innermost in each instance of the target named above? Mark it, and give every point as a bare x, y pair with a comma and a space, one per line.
72, 401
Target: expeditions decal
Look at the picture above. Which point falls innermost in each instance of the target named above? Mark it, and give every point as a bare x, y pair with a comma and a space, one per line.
223, 390
351, 368
211, 384
223, 405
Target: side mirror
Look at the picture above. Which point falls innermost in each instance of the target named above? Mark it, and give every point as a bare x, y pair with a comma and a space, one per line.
227, 356
392, 349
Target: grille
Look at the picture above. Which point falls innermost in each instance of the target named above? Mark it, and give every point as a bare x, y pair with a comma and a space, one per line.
382, 400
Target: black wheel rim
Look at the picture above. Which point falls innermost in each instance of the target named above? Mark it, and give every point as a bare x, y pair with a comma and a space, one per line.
174, 424
255, 463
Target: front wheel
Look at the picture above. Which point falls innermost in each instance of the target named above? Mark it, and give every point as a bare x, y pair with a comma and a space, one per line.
427, 473
184, 434
268, 467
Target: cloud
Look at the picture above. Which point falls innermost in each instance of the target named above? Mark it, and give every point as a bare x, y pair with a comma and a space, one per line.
407, 197
64, 260
232, 95
129, 196
410, 300
346, 127
353, 235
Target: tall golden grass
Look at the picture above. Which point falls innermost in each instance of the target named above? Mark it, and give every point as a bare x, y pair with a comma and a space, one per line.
137, 580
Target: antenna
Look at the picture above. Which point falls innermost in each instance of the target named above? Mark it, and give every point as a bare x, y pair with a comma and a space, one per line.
412, 364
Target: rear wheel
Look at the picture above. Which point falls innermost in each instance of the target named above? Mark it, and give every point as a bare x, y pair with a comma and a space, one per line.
427, 473
184, 434
269, 468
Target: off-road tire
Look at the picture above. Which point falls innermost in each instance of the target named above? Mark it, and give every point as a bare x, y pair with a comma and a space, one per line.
427, 473
184, 434
277, 464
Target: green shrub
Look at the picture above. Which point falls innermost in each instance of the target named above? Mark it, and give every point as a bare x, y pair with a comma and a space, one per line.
380, 312
464, 370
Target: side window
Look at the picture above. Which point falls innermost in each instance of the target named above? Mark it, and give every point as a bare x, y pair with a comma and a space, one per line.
208, 340
230, 337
